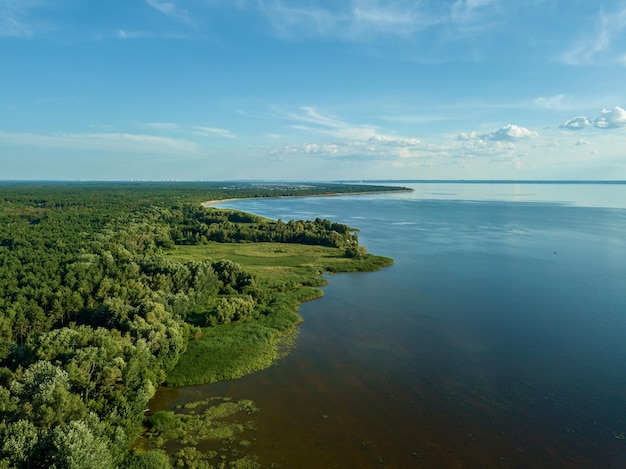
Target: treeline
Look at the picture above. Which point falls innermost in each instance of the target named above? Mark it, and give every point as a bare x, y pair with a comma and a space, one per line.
200, 226
93, 315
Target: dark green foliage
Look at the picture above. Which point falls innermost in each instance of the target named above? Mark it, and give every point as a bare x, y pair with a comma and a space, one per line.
147, 460
162, 421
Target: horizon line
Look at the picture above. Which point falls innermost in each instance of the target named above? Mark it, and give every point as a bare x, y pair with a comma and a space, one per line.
320, 181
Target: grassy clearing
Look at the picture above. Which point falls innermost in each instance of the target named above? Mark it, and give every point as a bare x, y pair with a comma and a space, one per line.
276, 261
289, 274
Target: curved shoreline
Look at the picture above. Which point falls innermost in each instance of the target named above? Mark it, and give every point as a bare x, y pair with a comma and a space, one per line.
208, 203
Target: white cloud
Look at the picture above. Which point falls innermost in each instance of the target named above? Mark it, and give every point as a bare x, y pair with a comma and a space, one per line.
467, 136
503, 144
510, 132
389, 140
611, 118
582, 142
576, 123
608, 119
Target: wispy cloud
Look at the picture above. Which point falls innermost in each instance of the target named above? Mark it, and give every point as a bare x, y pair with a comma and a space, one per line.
30, 18
117, 142
213, 132
318, 122
550, 102
464, 12
126, 34
171, 9
355, 20
309, 119
347, 139
389, 18
162, 126
600, 45
17, 19
198, 130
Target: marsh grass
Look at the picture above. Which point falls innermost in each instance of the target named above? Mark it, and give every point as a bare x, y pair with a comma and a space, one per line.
203, 434
287, 274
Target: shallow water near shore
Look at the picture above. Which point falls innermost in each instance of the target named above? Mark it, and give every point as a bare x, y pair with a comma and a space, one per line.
496, 338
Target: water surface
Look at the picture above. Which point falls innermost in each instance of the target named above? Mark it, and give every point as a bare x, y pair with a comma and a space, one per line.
495, 340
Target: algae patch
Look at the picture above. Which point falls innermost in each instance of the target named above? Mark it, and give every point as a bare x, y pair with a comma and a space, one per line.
212, 433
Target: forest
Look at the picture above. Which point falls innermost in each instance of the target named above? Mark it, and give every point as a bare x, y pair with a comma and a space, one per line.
105, 292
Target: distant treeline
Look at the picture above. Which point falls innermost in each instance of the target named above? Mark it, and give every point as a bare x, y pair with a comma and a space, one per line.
63, 194
93, 315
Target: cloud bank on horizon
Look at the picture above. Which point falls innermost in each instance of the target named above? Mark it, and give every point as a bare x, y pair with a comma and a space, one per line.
303, 90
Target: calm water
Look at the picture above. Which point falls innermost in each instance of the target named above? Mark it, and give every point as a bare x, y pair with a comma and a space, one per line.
497, 339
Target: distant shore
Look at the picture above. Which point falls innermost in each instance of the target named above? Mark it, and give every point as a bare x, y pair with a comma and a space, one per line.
208, 203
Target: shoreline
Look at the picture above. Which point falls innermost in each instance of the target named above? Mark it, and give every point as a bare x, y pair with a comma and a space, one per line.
209, 203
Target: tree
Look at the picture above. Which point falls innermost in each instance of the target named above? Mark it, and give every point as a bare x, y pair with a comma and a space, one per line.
19, 440
356, 252
76, 447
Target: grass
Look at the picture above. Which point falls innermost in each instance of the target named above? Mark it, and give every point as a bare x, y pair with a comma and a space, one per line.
290, 274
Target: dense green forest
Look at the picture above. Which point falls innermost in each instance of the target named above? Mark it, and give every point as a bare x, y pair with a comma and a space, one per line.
97, 306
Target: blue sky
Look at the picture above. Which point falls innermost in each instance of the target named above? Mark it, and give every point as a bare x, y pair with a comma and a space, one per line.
312, 89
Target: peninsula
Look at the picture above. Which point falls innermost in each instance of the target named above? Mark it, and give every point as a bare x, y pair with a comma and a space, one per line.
111, 289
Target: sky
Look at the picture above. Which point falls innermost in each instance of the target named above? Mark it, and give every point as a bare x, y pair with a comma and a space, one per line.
303, 90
